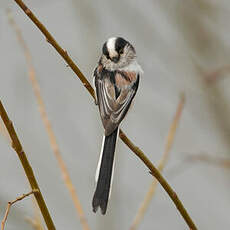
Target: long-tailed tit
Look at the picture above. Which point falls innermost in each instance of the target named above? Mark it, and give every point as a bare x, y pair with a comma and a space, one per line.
116, 79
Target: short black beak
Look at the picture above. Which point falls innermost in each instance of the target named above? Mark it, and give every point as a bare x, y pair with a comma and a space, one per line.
115, 59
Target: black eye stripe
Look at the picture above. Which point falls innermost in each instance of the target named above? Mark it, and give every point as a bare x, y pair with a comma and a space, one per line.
120, 44
105, 50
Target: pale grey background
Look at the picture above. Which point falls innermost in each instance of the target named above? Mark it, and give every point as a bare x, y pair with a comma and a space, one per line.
176, 41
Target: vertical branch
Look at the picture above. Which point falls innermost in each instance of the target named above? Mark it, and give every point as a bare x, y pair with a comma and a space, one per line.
172, 131
16, 145
48, 127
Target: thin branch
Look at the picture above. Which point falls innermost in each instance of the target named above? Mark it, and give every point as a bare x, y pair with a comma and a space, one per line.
172, 131
50, 39
16, 145
155, 172
10, 203
122, 135
48, 127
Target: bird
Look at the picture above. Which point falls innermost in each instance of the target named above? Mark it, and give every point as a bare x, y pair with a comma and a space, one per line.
116, 79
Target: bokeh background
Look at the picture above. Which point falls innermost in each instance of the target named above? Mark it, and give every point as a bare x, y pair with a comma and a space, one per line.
180, 44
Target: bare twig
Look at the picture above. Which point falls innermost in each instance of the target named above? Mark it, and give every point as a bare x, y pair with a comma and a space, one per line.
122, 135
145, 204
155, 172
10, 203
48, 127
50, 39
27, 167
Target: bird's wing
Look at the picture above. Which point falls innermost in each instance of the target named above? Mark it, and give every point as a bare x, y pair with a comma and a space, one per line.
115, 92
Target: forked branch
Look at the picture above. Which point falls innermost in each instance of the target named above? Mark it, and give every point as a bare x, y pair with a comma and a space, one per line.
10, 203
48, 126
16, 145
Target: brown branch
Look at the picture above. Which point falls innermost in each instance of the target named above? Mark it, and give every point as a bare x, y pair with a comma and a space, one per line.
155, 172
171, 134
16, 145
50, 39
10, 203
48, 127
125, 139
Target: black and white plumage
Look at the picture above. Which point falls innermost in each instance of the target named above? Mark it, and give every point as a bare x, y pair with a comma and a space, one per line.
116, 80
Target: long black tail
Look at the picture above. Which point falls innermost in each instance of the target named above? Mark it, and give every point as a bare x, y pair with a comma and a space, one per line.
101, 195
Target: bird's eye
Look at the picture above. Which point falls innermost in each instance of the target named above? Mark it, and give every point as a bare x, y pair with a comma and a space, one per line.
107, 55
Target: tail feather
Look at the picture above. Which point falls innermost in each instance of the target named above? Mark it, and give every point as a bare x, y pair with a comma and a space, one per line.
99, 161
104, 172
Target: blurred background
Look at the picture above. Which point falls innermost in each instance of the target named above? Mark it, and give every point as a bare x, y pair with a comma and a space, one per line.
182, 45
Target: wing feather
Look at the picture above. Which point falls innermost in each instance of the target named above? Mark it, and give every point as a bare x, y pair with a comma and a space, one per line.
113, 109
